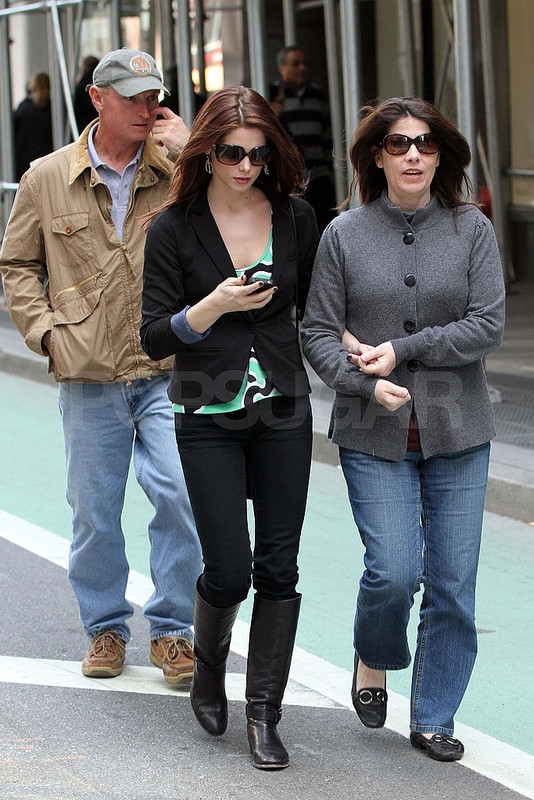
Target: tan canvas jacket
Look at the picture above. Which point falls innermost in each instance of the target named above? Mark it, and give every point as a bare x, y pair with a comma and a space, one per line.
66, 271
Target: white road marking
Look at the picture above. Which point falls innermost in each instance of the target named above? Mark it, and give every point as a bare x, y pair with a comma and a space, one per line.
140, 680
314, 681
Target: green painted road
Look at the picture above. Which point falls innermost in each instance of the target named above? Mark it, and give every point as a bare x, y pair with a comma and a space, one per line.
500, 697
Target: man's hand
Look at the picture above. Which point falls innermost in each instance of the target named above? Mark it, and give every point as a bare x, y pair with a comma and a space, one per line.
278, 102
45, 343
169, 129
390, 395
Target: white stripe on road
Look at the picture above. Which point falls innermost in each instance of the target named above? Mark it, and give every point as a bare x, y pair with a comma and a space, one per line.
321, 683
140, 680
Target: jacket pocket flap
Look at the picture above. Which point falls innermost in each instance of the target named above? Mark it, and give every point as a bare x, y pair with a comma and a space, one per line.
76, 306
67, 224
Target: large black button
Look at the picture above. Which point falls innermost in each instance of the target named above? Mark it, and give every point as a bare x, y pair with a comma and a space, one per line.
410, 280
413, 365
408, 237
409, 326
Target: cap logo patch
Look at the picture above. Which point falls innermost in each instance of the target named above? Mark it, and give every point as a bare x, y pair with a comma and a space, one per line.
140, 65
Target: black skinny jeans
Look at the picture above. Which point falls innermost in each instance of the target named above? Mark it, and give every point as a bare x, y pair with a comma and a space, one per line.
267, 449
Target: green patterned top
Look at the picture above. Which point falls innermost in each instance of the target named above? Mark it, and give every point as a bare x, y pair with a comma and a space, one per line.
256, 385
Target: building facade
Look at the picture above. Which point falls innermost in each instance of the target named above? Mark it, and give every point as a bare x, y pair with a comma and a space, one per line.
472, 58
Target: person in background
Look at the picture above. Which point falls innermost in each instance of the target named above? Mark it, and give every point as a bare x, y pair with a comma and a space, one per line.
72, 260
414, 274
172, 100
302, 109
225, 264
32, 122
84, 110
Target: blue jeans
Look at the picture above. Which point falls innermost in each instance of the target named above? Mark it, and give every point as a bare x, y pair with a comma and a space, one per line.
101, 422
420, 521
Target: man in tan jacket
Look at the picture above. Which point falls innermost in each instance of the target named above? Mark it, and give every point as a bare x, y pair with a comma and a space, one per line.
72, 260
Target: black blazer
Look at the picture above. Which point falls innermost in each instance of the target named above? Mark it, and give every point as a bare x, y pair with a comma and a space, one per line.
185, 259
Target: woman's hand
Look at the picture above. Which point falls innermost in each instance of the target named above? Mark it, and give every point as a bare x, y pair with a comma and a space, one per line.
230, 295
390, 395
233, 295
352, 345
380, 360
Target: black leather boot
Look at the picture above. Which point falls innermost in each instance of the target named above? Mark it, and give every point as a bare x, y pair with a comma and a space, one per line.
213, 631
272, 636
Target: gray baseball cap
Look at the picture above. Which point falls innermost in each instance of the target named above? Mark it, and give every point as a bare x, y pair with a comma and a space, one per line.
129, 72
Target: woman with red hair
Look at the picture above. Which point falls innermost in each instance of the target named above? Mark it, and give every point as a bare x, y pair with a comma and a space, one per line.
226, 262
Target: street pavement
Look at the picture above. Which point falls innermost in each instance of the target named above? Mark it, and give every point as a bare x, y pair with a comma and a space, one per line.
66, 737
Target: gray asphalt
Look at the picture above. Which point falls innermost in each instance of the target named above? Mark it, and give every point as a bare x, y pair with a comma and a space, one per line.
70, 744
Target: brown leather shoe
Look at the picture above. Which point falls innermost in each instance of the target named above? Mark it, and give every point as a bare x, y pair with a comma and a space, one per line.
105, 656
174, 655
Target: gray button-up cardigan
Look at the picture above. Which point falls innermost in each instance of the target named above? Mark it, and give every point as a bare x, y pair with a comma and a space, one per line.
433, 288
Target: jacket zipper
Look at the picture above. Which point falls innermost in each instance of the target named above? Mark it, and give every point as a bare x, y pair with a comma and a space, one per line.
80, 285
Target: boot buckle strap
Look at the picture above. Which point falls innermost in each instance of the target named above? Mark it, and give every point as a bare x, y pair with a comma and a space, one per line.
264, 713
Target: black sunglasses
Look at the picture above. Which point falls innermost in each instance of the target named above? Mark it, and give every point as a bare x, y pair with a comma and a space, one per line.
230, 154
396, 144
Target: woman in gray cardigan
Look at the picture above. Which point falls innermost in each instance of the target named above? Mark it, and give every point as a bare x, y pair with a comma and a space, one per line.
414, 273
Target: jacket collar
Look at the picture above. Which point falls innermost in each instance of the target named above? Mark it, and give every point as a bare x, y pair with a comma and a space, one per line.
424, 217
153, 156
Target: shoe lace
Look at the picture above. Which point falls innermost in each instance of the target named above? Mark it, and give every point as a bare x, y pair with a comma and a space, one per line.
106, 642
176, 647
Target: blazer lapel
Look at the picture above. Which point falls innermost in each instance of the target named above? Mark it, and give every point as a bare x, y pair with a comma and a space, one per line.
284, 245
210, 239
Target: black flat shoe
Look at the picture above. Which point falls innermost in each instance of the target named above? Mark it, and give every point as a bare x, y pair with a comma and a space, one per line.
440, 747
370, 704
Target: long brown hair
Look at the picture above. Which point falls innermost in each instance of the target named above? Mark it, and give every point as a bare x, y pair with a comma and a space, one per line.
223, 112
451, 184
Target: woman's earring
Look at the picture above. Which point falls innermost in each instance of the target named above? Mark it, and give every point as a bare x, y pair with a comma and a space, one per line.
266, 169
208, 165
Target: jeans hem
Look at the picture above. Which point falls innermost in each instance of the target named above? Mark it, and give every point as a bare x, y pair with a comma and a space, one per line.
432, 729
185, 634
126, 637
383, 667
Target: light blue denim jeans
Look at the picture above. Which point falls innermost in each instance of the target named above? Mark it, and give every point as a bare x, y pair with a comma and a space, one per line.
101, 424
420, 521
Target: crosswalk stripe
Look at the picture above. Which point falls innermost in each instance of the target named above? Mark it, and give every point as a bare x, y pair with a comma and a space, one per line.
314, 681
139, 680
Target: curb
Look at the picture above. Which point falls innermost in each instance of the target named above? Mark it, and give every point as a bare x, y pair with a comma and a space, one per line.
31, 367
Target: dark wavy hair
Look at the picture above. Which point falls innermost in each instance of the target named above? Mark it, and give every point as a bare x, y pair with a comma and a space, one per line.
451, 184
223, 112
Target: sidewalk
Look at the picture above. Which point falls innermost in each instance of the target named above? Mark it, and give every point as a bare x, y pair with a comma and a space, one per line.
511, 376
